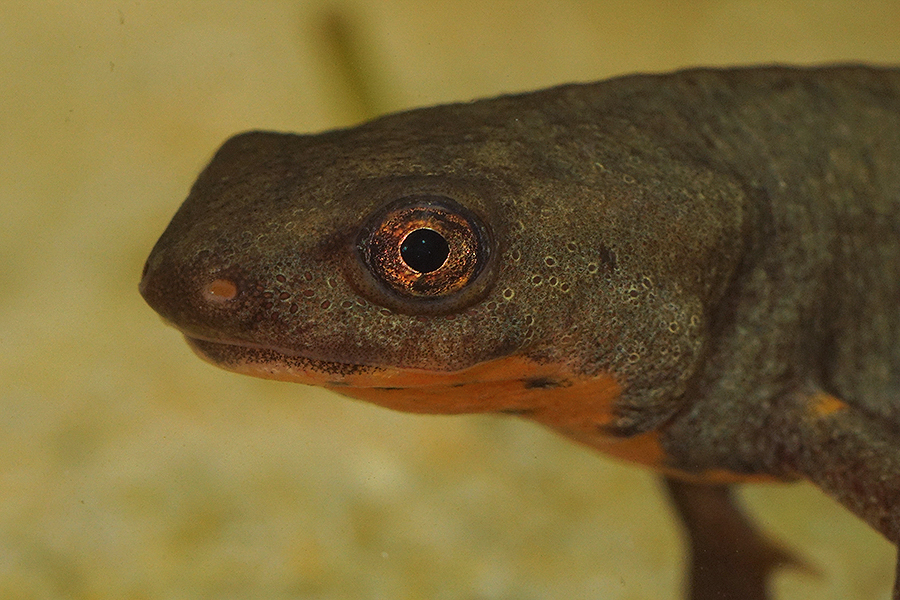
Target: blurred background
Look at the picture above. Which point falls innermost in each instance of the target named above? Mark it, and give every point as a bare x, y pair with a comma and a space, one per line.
131, 469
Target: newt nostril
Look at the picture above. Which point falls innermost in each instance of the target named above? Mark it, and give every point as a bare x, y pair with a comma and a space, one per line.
220, 290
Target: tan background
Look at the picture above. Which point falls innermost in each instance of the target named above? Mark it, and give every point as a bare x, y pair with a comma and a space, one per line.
130, 469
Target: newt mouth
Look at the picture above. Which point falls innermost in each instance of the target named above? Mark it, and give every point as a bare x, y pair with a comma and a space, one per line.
512, 384
283, 365
270, 363
475, 390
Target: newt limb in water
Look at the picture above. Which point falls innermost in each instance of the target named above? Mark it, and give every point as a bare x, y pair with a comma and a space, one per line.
698, 272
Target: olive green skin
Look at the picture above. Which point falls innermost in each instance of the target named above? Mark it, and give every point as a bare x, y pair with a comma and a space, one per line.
725, 243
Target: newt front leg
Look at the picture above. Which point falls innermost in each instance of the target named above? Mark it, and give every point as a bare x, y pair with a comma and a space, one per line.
729, 558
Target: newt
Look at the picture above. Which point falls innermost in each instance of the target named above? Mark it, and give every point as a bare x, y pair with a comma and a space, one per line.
698, 272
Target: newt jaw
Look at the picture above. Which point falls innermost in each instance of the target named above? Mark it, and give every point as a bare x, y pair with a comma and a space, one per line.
578, 407
269, 363
516, 384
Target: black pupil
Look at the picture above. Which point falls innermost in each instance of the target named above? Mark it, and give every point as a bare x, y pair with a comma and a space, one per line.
424, 250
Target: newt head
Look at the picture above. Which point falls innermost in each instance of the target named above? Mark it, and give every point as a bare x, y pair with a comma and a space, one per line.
446, 260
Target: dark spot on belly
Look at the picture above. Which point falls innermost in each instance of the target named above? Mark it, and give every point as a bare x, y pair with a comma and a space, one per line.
516, 411
541, 383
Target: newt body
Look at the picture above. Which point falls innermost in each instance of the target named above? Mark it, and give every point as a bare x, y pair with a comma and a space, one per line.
699, 272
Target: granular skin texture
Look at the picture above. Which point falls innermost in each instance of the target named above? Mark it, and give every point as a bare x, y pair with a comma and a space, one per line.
698, 271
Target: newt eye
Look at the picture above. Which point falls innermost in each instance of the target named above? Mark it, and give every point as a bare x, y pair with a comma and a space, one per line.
426, 247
